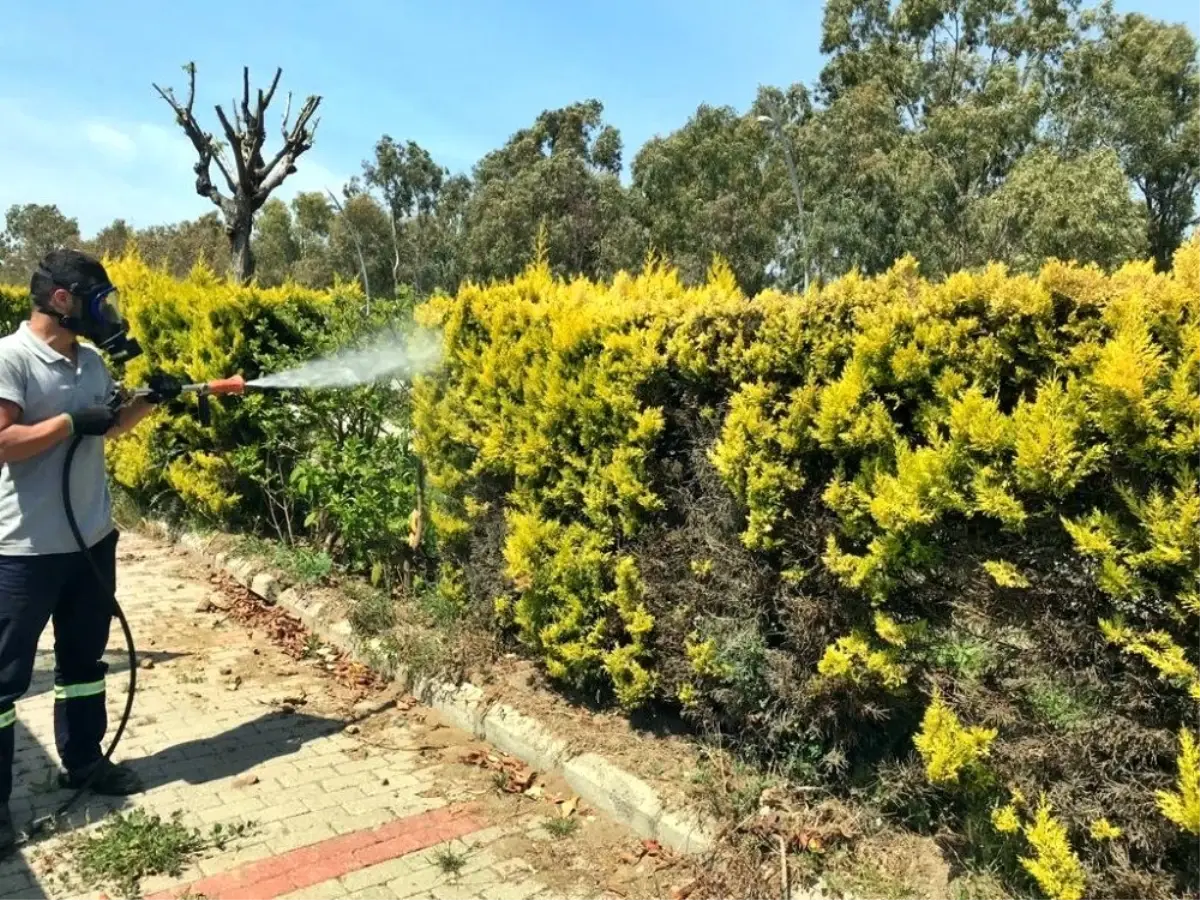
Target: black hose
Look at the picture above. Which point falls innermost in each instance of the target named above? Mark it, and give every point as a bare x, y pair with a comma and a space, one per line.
39, 825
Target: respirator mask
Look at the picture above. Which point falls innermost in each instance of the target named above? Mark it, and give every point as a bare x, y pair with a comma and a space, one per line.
97, 318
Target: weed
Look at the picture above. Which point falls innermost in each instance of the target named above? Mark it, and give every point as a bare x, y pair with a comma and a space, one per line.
373, 611
126, 510
500, 780
965, 655
561, 828
133, 845
424, 652
441, 610
1059, 705
866, 882
443, 601
729, 787
450, 861
978, 885
312, 643
307, 566
301, 564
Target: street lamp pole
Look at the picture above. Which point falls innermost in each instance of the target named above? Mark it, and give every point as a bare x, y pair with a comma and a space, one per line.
795, 179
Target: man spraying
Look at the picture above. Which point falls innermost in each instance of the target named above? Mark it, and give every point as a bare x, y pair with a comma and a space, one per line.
52, 388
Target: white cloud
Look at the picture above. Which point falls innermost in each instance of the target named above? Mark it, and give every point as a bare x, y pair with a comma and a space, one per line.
137, 171
111, 141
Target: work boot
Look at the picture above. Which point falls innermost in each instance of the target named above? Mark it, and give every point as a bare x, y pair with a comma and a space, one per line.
8, 833
110, 780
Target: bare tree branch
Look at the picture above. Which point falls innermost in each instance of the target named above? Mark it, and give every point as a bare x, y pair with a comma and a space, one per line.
206, 148
234, 136
258, 129
362, 260
250, 179
295, 142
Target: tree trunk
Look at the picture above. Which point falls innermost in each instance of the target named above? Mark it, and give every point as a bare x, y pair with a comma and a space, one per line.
240, 230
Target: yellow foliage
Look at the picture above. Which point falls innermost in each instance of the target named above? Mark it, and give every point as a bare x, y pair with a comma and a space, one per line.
1051, 456
1103, 830
1054, 865
853, 658
202, 481
868, 431
947, 747
1182, 806
1158, 649
1005, 819
1005, 574
705, 658
196, 328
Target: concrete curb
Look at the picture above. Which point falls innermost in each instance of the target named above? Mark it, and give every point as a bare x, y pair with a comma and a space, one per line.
599, 782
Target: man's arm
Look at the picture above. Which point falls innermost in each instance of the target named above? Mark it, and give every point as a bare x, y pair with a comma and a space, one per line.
19, 442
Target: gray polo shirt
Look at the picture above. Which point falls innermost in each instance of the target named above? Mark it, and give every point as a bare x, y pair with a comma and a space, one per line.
44, 383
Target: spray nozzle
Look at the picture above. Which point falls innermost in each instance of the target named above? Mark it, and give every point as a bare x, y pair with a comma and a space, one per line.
235, 384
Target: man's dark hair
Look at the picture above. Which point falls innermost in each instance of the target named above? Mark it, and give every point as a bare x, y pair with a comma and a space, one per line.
72, 270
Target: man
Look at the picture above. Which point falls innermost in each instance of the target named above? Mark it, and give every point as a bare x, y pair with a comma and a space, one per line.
52, 388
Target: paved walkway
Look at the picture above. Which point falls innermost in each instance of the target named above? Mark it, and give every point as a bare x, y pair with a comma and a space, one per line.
344, 800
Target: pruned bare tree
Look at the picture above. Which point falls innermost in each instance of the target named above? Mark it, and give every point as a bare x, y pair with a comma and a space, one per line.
249, 177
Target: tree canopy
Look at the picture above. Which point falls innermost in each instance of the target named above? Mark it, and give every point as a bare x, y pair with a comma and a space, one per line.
957, 132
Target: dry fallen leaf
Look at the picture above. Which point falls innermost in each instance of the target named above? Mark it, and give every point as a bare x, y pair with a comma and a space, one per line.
245, 781
568, 808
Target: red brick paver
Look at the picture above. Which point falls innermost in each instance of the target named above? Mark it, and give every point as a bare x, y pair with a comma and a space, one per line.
332, 858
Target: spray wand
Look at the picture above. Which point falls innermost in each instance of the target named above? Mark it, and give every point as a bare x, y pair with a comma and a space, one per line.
235, 384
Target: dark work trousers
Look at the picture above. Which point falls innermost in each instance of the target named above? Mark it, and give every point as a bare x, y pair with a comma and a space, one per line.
62, 587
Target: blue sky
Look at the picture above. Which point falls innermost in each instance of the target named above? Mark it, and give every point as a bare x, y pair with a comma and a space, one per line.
80, 125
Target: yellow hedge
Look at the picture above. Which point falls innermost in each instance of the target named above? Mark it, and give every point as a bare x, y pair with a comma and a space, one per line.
197, 328
328, 468
14, 306
911, 459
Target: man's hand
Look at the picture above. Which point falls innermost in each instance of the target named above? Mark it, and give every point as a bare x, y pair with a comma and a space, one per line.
163, 388
94, 421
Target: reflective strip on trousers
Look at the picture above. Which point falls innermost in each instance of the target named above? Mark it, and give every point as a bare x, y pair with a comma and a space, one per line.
75, 691
8, 717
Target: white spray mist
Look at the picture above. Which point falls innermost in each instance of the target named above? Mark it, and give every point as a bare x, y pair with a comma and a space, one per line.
394, 357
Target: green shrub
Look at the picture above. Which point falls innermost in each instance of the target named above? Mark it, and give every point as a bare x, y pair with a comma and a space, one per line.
329, 469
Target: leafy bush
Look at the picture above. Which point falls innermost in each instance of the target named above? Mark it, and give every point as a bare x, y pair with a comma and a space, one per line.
825, 519
14, 306
329, 468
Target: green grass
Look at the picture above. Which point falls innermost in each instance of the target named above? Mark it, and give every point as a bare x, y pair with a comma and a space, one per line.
1059, 705
301, 564
130, 846
729, 787
450, 861
965, 655
561, 828
372, 613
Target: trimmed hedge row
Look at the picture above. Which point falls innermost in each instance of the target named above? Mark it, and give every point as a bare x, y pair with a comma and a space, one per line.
328, 468
938, 540
932, 543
